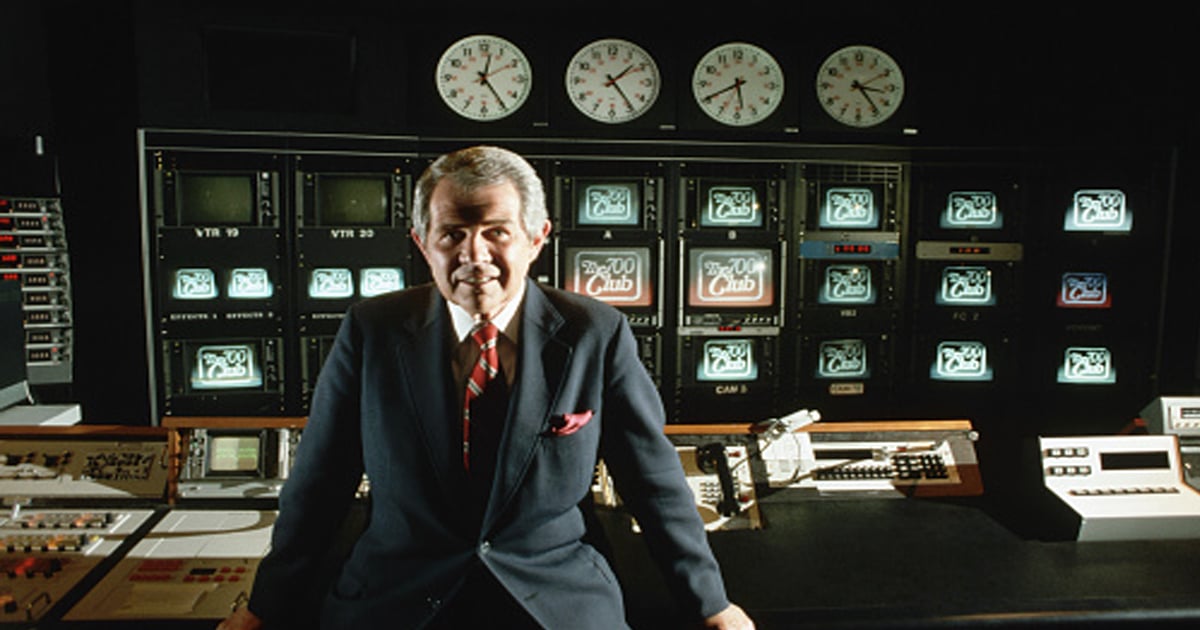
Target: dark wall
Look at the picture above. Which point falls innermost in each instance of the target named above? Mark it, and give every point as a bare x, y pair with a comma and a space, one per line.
979, 76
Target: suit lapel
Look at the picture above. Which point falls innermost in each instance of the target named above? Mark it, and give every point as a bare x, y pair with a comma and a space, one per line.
423, 353
543, 360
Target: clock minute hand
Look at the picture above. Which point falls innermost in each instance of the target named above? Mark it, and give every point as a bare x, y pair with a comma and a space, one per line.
863, 90
612, 81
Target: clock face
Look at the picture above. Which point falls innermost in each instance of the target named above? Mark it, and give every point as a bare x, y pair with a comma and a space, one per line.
738, 84
484, 77
860, 86
612, 81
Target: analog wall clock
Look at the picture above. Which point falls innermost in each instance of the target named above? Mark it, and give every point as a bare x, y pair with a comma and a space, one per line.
612, 81
738, 84
484, 77
860, 86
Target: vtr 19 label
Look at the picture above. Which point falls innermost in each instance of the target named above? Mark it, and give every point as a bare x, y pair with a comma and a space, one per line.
728, 277
617, 276
842, 358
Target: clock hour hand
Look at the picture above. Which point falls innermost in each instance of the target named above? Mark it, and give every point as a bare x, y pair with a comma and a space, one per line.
612, 81
736, 85
863, 90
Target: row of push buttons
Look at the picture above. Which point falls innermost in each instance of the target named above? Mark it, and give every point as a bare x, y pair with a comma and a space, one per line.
1112, 492
1080, 451
166, 570
1066, 471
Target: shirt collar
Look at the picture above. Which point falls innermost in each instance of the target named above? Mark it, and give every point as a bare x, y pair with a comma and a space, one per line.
464, 322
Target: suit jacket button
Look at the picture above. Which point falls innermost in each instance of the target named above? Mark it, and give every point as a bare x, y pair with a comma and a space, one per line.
484, 547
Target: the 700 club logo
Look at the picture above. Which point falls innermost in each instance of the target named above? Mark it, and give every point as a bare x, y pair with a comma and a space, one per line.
612, 275
1084, 290
971, 209
733, 276
966, 285
225, 366
847, 284
842, 358
1098, 209
609, 204
961, 360
1087, 365
850, 208
728, 360
732, 205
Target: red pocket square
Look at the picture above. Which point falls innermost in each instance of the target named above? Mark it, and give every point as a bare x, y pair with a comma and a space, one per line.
569, 423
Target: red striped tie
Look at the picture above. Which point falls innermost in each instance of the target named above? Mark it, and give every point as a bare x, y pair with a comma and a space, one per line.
484, 371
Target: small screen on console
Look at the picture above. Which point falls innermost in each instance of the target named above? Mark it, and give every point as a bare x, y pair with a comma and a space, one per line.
1136, 460
234, 453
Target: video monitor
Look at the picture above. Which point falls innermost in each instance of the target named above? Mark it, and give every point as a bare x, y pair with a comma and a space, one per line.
1090, 364
963, 284
621, 276
726, 378
1098, 210
730, 277
374, 281
331, 283
842, 359
217, 198
234, 454
352, 200
961, 360
1084, 289
848, 283
249, 283
731, 283
732, 204
225, 366
972, 210
608, 203
850, 207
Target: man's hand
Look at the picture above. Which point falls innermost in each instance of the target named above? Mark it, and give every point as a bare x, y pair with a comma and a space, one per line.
241, 619
732, 618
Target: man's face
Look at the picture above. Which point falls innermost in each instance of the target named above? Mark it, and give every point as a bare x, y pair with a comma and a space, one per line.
477, 247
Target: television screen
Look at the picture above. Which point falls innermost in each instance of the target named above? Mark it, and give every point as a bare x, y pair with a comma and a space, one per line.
731, 205
226, 366
972, 210
602, 203
216, 198
352, 200
235, 454
331, 283
850, 207
965, 285
250, 283
1087, 365
1084, 289
848, 283
961, 360
1098, 210
842, 359
725, 277
194, 283
379, 280
727, 359
621, 276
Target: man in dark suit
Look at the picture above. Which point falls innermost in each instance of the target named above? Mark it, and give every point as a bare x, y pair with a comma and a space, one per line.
476, 508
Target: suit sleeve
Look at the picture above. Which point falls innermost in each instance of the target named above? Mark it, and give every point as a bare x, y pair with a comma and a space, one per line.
651, 481
320, 488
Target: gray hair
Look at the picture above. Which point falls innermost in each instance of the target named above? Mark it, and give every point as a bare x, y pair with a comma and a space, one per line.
477, 167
